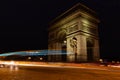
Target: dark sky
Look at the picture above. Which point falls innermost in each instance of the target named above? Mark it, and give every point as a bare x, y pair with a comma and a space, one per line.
23, 23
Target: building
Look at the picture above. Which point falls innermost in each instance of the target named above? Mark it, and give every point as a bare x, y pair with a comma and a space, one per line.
75, 32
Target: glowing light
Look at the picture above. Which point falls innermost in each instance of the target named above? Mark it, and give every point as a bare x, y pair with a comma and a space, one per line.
41, 58
101, 60
12, 62
118, 62
16, 68
36, 53
11, 67
65, 41
29, 57
33, 52
1, 66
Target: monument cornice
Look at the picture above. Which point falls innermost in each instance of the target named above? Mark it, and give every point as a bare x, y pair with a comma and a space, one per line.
79, 8
82, 33
75, 15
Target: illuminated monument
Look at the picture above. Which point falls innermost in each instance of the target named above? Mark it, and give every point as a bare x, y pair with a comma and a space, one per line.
75, 33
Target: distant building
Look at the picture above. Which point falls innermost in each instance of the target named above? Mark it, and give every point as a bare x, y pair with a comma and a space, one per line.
75, 33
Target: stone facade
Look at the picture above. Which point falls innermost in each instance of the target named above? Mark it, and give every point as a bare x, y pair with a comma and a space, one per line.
75, 33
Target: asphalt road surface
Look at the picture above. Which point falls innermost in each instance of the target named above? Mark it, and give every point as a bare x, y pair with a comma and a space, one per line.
57, 73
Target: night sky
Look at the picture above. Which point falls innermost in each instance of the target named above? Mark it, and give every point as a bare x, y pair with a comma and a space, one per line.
24, 23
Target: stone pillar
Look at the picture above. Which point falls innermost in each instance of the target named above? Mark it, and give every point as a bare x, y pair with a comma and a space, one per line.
81, 48
70, 53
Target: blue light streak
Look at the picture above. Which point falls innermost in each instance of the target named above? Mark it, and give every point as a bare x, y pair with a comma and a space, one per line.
35, 53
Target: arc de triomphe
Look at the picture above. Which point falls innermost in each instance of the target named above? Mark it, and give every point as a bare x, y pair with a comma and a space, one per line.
75, 34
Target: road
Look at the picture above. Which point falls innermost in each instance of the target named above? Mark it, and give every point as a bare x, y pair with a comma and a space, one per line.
57, 73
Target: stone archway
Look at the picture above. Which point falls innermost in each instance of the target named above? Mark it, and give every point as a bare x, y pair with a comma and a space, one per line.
61, 38
90, 49
75, 23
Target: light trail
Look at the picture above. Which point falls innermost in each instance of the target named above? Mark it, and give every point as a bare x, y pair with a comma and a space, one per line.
36, 53
17, 63
55, 65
